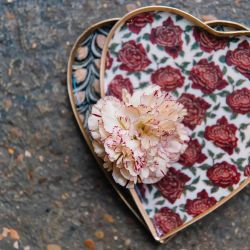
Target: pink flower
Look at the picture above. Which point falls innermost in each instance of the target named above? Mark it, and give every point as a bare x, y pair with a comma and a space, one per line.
140, 137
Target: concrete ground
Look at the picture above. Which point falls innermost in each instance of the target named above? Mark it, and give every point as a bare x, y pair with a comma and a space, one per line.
52, 194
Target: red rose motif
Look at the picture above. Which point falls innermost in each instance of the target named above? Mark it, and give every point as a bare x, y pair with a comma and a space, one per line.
201, 204
117, 84
207, 77
137, 23
223, 135
192, 154
196, 109
239, 101
109, 61
133, 57
167, 220
247, 170
223, 174
240, 58
169, 36
209, 42
168, 78
172, 184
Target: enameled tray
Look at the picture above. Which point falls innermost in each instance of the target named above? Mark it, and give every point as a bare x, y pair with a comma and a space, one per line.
208, 71
83, 87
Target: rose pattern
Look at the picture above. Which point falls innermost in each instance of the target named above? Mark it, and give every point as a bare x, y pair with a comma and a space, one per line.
247, 170
169, 36
239, 101
199, 205
222, 84
167, 220
196, 109
142, 190
109, 61
168, 78
223, 174
172, 185
137, 23
223, 135
192, 154
119, 83
207, 77
133, 57
208, 42
240, 58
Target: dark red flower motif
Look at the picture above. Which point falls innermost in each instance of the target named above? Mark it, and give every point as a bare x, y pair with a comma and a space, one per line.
172, 184
169, 36
117, 84
201, 204
141, 189
109, 61
207, 77
167, 220
239, 101
196, 109
209, 42
192, 154
133, 57
223, 174
223, 135
247, 170
168, 78
137, 23
240, 58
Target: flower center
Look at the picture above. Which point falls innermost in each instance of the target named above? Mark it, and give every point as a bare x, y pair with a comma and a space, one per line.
142, 128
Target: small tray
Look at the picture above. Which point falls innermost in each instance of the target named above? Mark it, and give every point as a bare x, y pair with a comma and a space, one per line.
201, 67
83, 85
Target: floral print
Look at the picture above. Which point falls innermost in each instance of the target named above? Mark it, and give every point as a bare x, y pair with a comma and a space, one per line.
239, 101
133, 57
223, 134
247, 170
196, 109
199, 205
223, 174
209, 42
240, 58
168, 78
192, 154
172, 185
119, 83
169, 36
166, 220
207, 77
194, 67
137, 23
109, 61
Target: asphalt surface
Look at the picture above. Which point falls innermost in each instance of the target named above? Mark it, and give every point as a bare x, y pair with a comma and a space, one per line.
52, 192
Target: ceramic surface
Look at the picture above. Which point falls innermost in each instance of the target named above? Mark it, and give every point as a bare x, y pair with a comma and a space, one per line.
210, 76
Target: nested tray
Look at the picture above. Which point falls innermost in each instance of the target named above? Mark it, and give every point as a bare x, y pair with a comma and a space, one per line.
83, 86
208, 71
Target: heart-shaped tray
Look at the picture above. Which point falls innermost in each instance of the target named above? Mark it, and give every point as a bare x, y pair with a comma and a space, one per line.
208, 71
83, 81
84, 88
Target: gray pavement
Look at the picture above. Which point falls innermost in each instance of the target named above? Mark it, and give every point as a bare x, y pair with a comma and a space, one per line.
51, 189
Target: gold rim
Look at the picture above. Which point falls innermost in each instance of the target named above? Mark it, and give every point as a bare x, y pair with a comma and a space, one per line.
80, 39
225, 23
205, 26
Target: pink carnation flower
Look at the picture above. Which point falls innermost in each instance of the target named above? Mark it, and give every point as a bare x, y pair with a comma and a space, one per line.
140, 137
